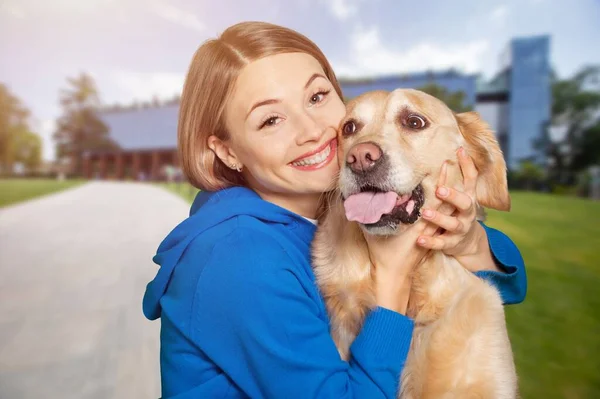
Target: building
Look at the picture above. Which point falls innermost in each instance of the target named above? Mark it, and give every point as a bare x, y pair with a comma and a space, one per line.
451, 80
516, 103
520, 99
147, 139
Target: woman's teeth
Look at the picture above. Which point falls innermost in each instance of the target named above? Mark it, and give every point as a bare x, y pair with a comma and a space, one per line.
315, 159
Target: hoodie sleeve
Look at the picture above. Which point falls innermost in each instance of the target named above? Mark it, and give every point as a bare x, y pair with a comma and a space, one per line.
256, 316
511, 282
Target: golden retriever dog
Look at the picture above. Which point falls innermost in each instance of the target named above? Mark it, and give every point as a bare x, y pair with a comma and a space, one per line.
392, 146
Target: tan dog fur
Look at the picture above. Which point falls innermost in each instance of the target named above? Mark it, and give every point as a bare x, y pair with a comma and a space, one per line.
460, 346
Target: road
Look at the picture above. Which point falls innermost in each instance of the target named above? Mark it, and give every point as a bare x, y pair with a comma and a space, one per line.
73, 269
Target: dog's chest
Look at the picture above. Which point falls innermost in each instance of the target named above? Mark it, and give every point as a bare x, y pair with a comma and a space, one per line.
436, 282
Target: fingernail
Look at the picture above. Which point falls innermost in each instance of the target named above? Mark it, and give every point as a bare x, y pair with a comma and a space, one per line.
462, 152
421, 241
443, 191
427, 213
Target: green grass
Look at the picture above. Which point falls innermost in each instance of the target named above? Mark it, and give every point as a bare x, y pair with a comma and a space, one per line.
555, 333
13, 191
183, 189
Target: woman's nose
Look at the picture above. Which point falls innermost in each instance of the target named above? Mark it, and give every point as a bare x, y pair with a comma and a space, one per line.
310, 129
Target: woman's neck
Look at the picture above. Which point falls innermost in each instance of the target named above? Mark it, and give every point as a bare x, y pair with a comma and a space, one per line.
302, 204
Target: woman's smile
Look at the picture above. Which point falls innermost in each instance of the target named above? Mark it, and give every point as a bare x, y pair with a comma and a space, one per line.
318, 158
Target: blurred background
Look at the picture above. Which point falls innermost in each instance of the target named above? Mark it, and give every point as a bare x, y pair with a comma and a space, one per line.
90, 180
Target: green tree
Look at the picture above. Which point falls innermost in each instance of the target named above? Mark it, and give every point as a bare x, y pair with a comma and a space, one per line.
454, 100
17, 142
28, 150
529, 175
575, 106
79, 129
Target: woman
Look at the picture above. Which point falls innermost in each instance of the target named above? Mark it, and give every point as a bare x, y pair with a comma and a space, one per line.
240, 312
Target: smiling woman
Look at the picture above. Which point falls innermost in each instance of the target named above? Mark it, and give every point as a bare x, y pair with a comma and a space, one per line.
240, 311
292, 105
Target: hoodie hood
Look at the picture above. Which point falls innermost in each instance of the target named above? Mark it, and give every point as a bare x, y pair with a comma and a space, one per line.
208, 210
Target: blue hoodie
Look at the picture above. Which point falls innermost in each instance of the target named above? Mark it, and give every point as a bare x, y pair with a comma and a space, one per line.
241, 315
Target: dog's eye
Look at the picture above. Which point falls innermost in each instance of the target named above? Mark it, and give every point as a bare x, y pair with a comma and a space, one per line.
349, 128
415, 122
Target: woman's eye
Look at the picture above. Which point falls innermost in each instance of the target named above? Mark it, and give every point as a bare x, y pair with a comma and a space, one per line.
318, 97
272, 121
415, 122
349, 128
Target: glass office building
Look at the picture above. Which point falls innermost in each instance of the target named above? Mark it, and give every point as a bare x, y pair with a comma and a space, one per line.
530, 97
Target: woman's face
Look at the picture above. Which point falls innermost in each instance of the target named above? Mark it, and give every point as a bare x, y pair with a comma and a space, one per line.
282, 118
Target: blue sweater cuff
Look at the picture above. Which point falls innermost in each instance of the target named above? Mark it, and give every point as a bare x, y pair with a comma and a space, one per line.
512, 282
384, 339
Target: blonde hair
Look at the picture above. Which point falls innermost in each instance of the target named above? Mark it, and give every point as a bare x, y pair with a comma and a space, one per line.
209, 82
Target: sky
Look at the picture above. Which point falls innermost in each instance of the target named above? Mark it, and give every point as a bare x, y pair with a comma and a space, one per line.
137, 49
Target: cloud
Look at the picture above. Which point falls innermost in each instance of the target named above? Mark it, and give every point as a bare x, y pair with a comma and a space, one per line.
146, 85
342, 9
177, 16
499, 14
370, 56
13, 10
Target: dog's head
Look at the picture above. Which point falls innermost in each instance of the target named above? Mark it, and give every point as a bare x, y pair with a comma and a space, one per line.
391, 149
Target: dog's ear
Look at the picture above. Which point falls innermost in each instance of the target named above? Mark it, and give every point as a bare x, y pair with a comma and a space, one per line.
482, 146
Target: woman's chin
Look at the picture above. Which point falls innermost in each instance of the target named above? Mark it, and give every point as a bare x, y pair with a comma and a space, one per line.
320, 180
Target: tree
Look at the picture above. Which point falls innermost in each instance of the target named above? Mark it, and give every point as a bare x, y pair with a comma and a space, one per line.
79, 129
17, 142
529, 175
576, 107
28, 150
454, 100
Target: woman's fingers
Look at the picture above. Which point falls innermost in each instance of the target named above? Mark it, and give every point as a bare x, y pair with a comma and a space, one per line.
461, 201
438, 243
469, 171
443, 174
451, 224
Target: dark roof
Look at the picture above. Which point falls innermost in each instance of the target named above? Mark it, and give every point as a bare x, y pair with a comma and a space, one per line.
143, 129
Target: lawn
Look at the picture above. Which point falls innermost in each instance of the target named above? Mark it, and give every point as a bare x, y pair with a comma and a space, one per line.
17, 190
183, 189
555, 333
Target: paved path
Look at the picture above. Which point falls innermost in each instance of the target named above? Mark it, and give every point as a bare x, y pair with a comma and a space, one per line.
73, 269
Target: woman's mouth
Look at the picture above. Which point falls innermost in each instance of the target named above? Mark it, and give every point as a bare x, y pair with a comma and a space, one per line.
317, 160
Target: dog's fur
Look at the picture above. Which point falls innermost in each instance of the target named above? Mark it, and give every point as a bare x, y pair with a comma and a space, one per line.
460, 347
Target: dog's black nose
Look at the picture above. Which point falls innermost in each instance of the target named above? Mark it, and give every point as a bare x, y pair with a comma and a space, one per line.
363, 157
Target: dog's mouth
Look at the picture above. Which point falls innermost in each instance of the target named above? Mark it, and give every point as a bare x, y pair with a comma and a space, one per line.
374, 207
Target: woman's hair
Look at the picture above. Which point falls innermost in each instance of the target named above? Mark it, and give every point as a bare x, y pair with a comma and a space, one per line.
209, 82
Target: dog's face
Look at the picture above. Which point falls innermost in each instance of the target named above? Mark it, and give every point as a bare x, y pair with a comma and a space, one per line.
392, 147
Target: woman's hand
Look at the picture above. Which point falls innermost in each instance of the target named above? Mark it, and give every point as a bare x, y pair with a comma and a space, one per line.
464, 238
394, 258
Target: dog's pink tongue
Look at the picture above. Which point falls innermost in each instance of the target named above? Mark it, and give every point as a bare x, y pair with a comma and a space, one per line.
367, 207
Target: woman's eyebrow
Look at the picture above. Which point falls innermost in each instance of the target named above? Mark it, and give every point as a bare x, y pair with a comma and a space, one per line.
275, 100
261, 103
313, 77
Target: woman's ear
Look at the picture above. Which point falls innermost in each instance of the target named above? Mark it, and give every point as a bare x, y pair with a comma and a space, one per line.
224, 152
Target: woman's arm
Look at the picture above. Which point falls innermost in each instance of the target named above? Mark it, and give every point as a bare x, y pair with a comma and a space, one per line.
484, 251
508, 274
261, 319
